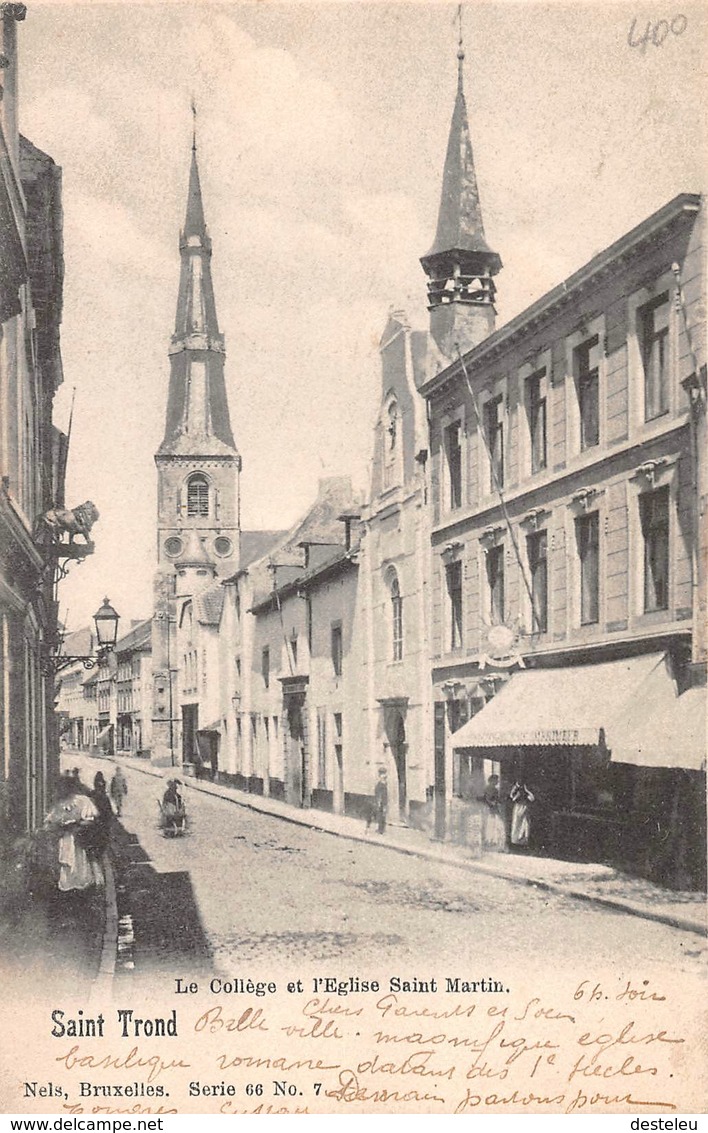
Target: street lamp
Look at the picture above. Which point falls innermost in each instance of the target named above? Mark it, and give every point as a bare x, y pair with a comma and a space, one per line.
106, 620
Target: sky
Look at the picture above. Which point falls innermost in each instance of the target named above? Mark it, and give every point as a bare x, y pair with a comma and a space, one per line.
322, 131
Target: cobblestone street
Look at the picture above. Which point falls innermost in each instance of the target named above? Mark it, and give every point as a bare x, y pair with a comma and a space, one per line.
244, 890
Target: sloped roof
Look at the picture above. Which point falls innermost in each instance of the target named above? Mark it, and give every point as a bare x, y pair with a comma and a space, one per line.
78, 643
320, 524
255, 544
208, 604
460, 226
136, 638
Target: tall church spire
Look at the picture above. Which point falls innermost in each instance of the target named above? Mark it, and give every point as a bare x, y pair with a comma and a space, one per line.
198, 464
460, 265
197, 409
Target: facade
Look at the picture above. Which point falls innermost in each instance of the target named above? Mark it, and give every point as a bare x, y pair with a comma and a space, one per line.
133, 698
566, 539
32, 452
289, 618
523, 589
69, 689
393, 591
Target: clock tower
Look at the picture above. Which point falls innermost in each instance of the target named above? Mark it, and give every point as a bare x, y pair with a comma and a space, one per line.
198, 466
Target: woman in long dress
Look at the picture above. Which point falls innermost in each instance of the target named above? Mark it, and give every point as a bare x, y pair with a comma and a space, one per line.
73, 812
493, 831
522, 798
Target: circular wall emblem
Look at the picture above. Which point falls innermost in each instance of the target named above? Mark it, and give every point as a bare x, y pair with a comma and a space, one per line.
173, 546
500, 640
223, 546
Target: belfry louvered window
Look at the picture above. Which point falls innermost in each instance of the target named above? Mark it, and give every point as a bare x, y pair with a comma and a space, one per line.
198, 495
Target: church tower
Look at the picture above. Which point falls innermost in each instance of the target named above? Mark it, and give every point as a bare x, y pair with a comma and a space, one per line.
198, 464
198, 470
460, 266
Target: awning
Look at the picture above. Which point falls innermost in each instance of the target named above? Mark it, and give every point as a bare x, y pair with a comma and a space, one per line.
104, 734
664, 730
211, 728
577, 705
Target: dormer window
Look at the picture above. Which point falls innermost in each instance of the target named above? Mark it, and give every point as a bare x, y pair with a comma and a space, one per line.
198, 495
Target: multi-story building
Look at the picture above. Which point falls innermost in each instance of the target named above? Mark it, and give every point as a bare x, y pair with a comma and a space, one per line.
393, 593
290, 622
69, 688
134, 690
32, 451
566, 580
90, 711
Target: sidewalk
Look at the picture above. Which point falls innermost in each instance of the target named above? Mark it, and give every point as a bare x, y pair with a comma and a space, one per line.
583, 881
65, 940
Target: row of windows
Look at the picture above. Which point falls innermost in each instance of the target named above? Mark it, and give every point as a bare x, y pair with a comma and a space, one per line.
654, 526
396, 636
337, 654
270, 728
652, 336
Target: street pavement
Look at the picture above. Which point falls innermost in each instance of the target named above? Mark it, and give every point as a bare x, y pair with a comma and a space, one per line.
245, 889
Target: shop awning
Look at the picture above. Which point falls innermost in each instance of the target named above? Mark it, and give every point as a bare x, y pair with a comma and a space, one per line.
661, 729
104, 734
577, 705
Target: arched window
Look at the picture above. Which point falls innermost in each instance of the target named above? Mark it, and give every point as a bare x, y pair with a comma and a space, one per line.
198, 495
396, 617
391, 445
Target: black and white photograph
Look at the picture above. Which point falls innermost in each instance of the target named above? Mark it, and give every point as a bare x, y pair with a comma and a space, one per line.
353, 558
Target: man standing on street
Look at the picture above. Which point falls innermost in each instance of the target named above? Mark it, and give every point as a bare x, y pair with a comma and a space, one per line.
381, 801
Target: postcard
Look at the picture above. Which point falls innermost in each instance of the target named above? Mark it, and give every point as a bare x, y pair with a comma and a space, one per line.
353, 558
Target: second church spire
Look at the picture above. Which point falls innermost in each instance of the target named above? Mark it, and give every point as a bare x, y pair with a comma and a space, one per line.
460, 265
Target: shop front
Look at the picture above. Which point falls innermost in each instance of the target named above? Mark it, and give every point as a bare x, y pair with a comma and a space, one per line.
565, 735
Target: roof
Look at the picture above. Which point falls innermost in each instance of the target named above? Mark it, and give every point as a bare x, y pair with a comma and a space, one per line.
577, 705
197, 420
682, 205
194, 553
255, 544
138, 637
339, 560
194, 222
79, 643
460, 226
208, 604
319, 525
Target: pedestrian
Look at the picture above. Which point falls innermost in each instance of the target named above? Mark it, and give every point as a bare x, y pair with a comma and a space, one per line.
522, 798
118, 789
172, 807
381, 801
493, 832
75, 776
72, 819
100, 798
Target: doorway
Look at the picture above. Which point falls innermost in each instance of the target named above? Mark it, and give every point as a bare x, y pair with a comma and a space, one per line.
190, 723
297, 791
399, 750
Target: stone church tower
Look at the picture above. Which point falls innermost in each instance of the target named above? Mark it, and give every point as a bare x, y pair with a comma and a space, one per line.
198, 467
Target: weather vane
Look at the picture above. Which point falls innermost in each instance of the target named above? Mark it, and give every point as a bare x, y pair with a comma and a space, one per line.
194, 124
